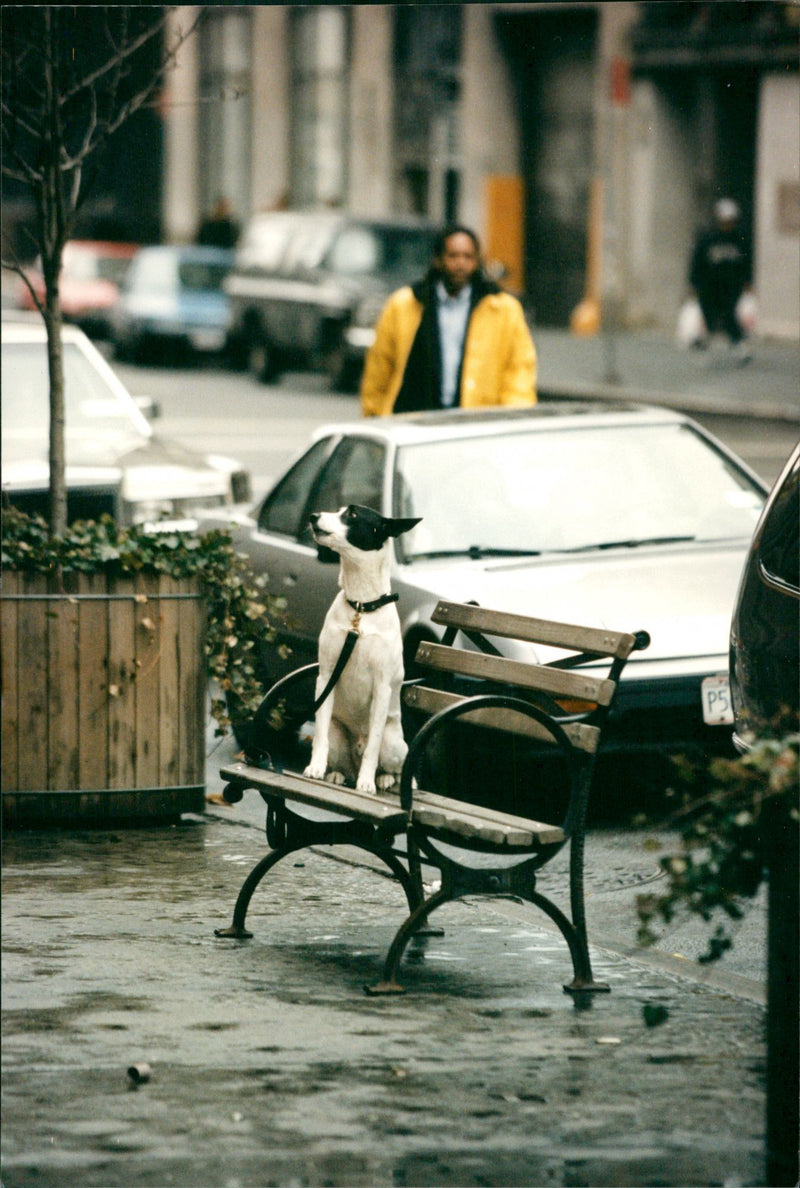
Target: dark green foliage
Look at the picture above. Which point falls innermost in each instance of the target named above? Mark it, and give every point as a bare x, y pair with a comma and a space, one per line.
723, 857
240, 615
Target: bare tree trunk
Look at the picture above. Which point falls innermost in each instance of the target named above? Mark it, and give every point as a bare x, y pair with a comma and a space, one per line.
55, 367
54, 225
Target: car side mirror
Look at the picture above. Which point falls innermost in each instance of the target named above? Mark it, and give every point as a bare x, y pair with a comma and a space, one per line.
150, 407
327, 556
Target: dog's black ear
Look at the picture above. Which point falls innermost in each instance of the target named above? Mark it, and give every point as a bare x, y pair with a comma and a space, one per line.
398, 527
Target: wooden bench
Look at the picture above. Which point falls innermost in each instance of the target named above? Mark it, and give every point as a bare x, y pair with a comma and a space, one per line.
478, 850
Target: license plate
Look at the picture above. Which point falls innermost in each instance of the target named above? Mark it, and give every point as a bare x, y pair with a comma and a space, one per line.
207, 340
715, 692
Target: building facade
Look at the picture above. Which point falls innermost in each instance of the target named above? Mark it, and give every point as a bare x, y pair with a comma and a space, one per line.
585, 142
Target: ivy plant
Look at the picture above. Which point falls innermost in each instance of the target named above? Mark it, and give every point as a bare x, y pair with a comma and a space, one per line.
723, 856
240, 617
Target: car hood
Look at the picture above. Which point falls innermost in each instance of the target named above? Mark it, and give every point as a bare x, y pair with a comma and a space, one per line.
683, 598
158, 468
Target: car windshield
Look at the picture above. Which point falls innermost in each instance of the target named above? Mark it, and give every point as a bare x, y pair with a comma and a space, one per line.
575, 491
89, 266
202, 275
153, 272
366, 251
99, 426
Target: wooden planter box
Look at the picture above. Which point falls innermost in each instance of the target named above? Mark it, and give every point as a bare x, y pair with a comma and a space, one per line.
103, 700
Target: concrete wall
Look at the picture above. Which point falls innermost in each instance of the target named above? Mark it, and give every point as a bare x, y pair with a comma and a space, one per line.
489, 121
270, 107
662, 207
777, 233
179, 211
371, 106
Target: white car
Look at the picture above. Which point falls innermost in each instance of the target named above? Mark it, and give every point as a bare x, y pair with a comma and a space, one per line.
115, 463
627, 517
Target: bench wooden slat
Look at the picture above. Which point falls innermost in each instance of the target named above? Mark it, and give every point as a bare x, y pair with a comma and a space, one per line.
481, 824
558, 681
380, 808
471, 822
558, 635
430, 701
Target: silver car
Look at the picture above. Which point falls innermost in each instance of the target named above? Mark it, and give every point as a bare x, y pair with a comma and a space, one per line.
115, 463
622, 516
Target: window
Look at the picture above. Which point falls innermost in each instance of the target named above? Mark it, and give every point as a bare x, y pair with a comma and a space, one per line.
353, 475
284, 512
381, 251
780, 561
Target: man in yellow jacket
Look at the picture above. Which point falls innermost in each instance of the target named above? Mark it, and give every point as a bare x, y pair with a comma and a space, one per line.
454, 338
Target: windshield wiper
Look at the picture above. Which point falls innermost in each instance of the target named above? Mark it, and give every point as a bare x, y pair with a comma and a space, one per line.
632, 543
474, 552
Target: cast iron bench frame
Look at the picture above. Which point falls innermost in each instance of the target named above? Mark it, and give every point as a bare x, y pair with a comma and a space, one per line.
404, 830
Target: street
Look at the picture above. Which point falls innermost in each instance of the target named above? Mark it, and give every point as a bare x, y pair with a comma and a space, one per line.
216, 410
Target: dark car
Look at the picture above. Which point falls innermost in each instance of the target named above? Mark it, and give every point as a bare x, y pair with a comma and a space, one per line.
307, 289
765, 643
173, 298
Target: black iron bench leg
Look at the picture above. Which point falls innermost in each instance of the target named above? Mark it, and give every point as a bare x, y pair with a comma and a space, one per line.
408, 880
389, 983
583, 979
237, 928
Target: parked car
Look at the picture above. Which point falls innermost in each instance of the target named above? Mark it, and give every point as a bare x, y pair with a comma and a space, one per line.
765, 636
617, 516
307, 288
91, 275
173, 299
115, 463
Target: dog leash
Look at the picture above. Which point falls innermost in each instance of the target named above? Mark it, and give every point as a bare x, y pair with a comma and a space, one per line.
347, 650
360, 608
350, 641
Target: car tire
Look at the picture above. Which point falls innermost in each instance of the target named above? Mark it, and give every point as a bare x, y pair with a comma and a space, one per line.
262, 361
343, 374
121, 350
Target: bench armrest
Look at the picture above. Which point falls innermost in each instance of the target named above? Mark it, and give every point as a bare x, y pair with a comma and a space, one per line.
468, 705
261, 730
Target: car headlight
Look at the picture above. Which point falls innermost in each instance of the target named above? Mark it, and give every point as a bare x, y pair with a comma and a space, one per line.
369, 310
151, 511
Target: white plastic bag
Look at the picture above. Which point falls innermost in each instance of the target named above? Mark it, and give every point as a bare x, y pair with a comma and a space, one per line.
691, 327
747, 313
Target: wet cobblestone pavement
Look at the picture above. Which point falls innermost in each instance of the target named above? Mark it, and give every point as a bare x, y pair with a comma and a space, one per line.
270, 1066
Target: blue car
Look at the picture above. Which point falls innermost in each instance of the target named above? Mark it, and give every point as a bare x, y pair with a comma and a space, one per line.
173, 302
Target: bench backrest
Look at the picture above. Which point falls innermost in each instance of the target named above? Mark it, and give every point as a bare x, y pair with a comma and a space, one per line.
577, 699
561, 705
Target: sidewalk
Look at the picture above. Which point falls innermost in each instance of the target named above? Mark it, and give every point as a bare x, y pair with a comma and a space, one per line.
647, 365
270, 1066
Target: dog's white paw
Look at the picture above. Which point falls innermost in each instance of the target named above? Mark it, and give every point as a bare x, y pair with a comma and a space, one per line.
314, 772
365, 785
388, 780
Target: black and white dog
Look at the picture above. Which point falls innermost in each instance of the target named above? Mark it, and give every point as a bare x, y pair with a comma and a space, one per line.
358, 733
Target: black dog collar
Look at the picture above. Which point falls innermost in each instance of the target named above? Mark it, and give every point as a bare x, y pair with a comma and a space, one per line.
366, 608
